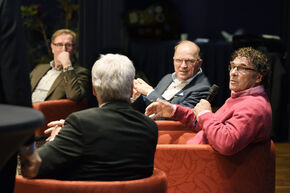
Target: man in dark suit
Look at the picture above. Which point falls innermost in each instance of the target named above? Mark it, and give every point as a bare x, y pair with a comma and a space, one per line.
61, 78
14, 89
111, 142
186, 86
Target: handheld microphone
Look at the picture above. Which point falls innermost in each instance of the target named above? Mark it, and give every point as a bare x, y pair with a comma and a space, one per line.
213, 90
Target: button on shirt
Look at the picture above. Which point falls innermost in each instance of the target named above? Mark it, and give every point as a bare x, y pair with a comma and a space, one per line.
45, 84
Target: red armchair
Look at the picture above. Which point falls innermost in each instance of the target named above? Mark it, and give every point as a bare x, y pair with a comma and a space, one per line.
156, 183
173, 132
200, 169
57, 109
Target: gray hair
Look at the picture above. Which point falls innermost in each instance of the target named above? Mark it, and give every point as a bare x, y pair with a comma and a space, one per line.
112, 77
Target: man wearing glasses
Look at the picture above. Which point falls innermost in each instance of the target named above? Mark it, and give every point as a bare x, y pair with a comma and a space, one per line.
61, 78
186, 86
246, 117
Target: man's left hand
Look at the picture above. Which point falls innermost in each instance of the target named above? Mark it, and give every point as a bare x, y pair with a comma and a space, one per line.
30, 164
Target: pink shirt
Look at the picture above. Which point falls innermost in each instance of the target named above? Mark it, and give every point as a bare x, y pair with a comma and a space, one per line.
246, 117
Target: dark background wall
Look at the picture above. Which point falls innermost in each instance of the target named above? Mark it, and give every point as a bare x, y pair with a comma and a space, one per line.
103, 28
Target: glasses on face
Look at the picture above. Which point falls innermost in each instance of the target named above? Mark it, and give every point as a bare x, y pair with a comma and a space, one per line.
60, 45
240, 69
187, 61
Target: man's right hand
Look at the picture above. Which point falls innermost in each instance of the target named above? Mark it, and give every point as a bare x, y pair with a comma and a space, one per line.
160, 108
142, 87
64, 59
54, 128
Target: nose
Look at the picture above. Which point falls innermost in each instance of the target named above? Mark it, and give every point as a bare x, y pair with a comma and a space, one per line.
64, 48
183, 64
234, 71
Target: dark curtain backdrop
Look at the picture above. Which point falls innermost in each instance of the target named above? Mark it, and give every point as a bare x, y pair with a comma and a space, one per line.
102, 31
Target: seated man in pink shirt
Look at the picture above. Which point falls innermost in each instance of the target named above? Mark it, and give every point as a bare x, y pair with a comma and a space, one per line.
245, 117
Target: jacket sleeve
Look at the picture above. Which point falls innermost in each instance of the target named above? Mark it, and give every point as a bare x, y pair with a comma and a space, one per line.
76, 83
65, 150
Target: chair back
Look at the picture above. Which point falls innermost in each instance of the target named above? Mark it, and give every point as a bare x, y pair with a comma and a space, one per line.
57, 109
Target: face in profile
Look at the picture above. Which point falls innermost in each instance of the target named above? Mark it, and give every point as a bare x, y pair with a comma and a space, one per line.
186, 61
243, 74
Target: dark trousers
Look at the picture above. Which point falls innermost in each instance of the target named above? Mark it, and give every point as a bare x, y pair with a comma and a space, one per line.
7, 175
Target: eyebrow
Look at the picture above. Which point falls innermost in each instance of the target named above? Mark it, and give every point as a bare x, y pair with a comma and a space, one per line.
241, 64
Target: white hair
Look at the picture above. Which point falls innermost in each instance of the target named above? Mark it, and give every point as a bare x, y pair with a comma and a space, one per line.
112, 77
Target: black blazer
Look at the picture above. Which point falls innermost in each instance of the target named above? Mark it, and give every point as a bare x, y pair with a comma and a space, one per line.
113, 142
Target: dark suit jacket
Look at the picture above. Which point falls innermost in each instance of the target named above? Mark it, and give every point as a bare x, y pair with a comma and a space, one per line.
73, 84
113, 142
14, 69
189, 96
14, 78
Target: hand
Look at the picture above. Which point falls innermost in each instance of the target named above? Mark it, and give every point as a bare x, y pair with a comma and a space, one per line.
203, 105
55, 127
142, 87
160, 108
64, 59
56, 123
135, 95
30, 164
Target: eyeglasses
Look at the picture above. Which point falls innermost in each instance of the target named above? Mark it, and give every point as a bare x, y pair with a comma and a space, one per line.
60, 45
240, 69
187, 61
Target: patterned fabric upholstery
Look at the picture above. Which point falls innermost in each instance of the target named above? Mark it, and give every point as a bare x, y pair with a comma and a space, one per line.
200, 169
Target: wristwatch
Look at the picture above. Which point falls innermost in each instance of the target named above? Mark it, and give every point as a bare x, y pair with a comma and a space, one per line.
68, 68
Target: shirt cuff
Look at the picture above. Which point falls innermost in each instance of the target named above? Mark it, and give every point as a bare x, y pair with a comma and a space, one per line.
201, 113
173, 112
149, 92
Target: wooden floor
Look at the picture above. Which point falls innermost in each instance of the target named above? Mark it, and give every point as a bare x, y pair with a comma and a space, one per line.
282, 167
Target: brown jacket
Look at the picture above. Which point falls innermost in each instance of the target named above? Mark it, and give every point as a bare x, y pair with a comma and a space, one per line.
73, 84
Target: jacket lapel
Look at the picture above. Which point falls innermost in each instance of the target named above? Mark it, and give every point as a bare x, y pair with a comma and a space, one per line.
55, 84
41, 72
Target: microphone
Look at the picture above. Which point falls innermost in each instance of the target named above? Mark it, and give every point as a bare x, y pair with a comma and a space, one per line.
213, 90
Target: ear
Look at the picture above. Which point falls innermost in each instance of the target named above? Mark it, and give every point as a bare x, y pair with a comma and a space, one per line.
259, 78
94, 92
200, 62
51, 47
132, 87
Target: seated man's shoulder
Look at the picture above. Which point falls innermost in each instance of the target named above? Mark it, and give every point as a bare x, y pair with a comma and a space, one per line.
167, 76
80, 68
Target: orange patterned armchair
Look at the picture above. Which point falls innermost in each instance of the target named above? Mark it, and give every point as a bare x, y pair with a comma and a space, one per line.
57, 109
173, 132
156, 183
200, 169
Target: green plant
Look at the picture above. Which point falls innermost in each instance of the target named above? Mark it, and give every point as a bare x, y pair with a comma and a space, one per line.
38, 24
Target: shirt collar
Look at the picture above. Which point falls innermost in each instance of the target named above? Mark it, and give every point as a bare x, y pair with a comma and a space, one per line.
251, 91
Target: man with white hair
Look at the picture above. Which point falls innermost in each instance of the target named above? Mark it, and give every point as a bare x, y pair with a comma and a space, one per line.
111, 142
